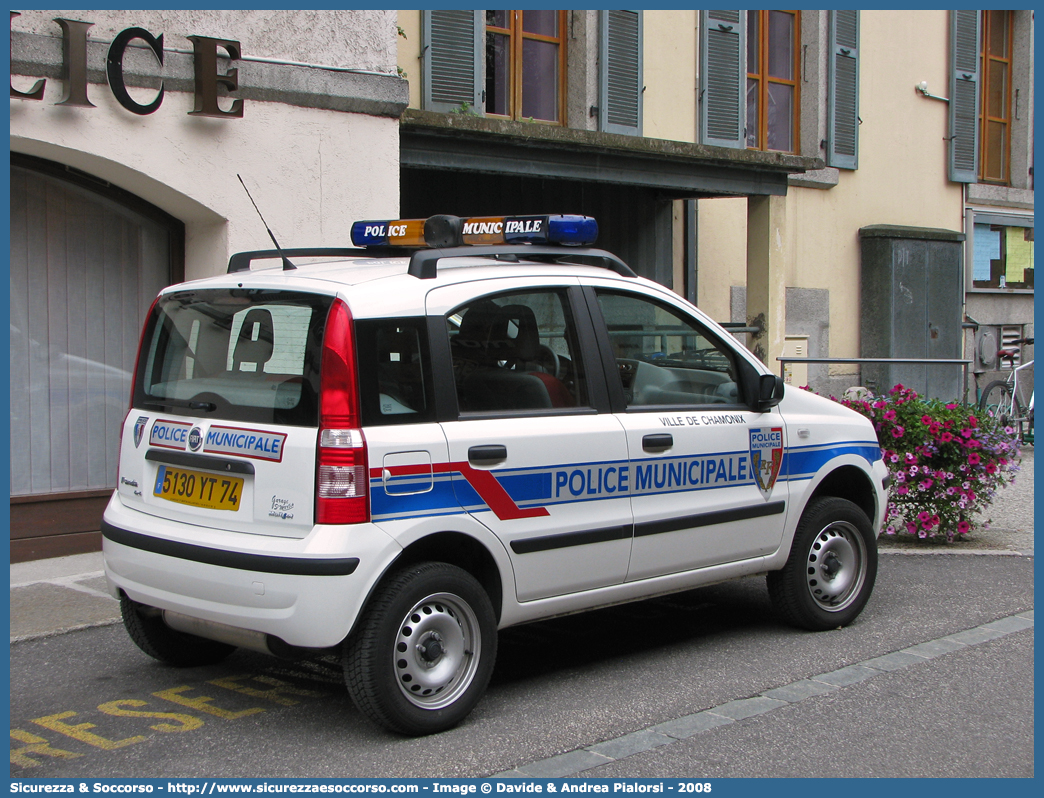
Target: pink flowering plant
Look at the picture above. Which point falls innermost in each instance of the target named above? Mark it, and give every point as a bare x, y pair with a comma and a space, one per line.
946, 462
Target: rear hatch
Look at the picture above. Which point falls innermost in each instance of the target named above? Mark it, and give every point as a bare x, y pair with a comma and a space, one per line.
224, 419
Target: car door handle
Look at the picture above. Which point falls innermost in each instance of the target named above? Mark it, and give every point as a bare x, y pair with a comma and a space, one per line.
490, 454
657, 442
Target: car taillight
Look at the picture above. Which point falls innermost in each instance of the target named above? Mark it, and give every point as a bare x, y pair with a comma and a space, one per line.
342, 494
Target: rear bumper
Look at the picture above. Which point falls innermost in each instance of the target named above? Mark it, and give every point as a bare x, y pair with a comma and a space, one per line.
307, 592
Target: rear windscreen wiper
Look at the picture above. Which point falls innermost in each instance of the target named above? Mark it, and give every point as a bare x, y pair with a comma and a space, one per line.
206, 407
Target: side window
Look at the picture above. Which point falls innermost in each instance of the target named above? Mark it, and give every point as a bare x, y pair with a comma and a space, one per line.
516, 352
665, 358
395, 371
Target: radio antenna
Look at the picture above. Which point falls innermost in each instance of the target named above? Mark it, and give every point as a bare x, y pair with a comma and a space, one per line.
287, 265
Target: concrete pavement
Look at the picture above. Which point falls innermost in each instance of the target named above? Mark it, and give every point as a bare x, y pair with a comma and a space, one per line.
67, 593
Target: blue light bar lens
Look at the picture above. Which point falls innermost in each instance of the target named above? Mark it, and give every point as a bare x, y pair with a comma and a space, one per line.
525, 230
370, 234
572, 231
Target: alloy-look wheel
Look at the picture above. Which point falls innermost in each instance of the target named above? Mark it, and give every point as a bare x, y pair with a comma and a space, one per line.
423, 651
831, 570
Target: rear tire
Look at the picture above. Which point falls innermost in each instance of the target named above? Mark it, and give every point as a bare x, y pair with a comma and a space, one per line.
831, 570
998, 401
159, 641
423, 651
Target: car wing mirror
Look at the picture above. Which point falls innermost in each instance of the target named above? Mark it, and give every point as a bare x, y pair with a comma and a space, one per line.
770, 392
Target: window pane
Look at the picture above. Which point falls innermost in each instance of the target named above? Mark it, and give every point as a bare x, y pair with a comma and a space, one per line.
998, 37
994, 151
781, 45
498, 19
516, 352
498, 52
753, 21
539, 80
664, 358
543, 23
997, 91
400, 375
780, 117
753, 121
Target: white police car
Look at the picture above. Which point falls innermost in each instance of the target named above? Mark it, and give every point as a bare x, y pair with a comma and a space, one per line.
394, 453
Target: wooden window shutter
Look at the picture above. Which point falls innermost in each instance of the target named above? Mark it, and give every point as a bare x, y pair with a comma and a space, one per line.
843, 102
965, 33
452, 60
620, 72
723, 78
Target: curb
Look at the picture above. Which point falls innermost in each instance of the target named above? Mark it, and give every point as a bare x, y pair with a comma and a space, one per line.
960, 553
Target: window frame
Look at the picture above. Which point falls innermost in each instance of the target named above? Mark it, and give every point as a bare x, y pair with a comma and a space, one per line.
764, 80
994, 220
516, 37
987, 64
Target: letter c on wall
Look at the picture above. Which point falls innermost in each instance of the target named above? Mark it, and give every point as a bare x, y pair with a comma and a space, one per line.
114, 68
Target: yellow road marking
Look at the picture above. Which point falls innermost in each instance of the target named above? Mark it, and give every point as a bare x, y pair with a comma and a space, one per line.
202, 703
116, 708
275, 694
34, 745
79, 732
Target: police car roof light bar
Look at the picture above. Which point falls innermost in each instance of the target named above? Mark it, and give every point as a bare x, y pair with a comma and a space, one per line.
424, 263
452, 231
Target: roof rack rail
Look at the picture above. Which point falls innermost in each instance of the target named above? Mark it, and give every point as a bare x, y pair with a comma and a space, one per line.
424, 262
240, 262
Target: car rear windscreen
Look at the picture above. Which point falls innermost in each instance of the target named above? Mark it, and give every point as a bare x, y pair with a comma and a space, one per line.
236, 354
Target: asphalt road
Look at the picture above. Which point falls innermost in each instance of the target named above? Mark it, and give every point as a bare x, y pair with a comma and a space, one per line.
618, 692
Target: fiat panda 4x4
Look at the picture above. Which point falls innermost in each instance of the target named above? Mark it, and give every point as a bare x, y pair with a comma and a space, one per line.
393, 453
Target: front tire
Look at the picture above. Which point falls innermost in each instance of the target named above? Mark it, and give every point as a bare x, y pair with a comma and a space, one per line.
148, 631
423, 651
831, 570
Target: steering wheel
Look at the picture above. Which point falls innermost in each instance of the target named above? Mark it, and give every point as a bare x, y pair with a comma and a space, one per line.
548, 360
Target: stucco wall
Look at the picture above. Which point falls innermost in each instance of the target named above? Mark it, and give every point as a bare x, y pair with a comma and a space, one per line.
669, 72
311, 170
350, 39
409, 52
901, 179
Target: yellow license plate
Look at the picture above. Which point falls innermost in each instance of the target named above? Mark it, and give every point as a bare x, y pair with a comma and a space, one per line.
198, 488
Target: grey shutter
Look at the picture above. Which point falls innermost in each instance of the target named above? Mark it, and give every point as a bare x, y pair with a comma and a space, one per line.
964, 96
452, 60
620, 72
843, 102
723, 78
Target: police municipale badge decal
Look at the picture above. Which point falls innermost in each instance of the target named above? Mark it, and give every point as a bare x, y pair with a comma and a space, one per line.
766, 455
139, 429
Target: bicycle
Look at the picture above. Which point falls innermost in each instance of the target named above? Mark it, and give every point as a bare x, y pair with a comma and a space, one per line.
1005, 399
